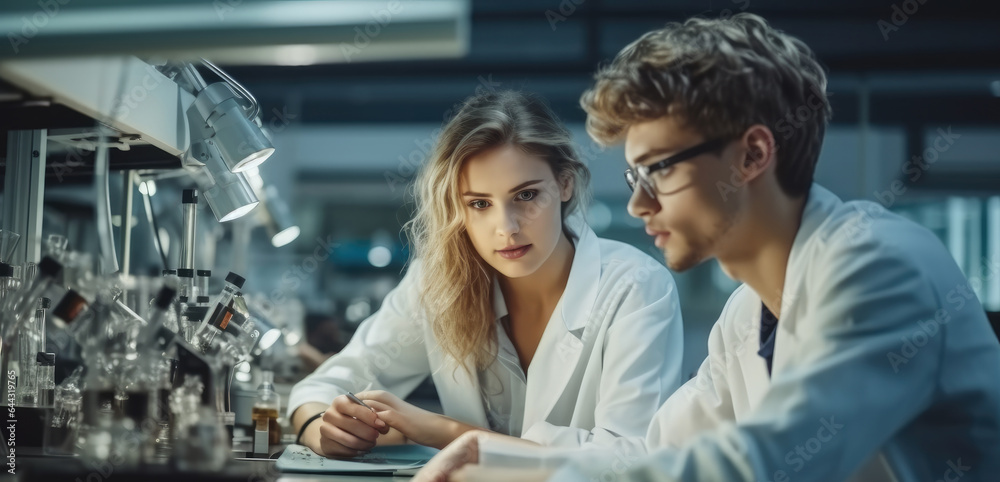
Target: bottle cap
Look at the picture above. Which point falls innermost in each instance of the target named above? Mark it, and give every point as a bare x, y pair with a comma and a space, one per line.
46, 359
235, 279
50, 267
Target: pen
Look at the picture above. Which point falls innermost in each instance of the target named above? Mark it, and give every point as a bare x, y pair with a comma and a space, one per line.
358, 401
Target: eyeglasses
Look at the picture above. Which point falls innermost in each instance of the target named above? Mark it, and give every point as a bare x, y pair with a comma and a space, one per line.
663, 183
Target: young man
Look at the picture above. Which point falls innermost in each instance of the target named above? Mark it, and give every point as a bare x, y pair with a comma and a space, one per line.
855, 349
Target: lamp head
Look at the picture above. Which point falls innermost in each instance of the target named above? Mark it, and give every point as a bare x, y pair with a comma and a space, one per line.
230, 196
240, 141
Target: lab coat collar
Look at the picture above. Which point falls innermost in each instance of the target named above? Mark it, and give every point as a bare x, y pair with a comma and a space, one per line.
575, 307
499, 304
566, 345
578, 298
584, 278
819, 205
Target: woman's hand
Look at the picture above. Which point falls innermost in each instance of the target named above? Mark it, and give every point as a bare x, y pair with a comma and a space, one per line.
416, 424
346, 429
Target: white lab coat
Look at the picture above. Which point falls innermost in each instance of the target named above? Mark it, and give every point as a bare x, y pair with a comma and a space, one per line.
614, 359
885, 368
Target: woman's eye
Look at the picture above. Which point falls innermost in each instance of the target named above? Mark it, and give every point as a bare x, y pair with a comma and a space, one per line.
526, 195
479, 204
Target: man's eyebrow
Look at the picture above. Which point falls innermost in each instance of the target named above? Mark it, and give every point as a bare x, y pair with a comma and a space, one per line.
513, 190
652, 153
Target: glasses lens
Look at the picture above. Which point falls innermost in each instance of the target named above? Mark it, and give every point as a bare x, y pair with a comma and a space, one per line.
633, 178
630, 179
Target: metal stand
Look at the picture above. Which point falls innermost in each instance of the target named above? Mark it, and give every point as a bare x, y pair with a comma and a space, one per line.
129, 179
23, 194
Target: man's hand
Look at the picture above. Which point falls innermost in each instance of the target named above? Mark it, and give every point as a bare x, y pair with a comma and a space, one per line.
478, 473
464, 450
458, 462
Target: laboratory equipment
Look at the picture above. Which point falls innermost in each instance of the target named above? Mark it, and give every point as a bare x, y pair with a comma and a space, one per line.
10, 275
31, 344
63, 422
265, 415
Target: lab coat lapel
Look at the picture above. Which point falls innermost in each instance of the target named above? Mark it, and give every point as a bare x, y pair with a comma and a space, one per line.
584, 280
559, 351
819, 205
458, 390
550, 372
460, 395
754, 367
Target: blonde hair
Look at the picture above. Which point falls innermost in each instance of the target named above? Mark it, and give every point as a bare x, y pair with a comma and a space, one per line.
720, 76
457, 286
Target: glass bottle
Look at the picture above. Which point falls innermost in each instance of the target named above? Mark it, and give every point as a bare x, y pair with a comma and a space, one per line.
46, 378
30, 344
15, 311
156, 335
18, 306
63, 425
188, 289
201, 283
10, 275
266, 409
220, 314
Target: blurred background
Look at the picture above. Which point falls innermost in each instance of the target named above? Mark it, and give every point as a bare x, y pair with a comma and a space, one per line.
352, 115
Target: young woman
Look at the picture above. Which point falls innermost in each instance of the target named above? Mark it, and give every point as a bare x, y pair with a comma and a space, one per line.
527, 322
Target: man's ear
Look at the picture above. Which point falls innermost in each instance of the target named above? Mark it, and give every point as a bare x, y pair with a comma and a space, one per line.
761, 151
566, 187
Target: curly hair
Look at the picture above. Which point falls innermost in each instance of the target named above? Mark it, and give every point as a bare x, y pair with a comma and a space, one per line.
719, 76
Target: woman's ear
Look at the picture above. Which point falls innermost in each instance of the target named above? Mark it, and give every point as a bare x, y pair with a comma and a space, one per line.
566, 187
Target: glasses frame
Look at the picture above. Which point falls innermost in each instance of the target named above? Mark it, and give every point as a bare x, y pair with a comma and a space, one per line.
640, 174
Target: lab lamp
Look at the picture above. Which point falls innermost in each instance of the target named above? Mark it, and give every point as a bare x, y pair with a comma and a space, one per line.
230, 196
275, 215
278, 219
226, 139
240, 142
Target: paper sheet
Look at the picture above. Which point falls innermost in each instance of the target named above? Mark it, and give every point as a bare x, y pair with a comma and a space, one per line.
391, 458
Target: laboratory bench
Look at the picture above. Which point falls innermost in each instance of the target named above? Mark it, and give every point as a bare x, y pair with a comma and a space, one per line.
32, 466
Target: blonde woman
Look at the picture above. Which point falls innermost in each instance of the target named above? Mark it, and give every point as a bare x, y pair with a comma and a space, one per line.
527, 322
